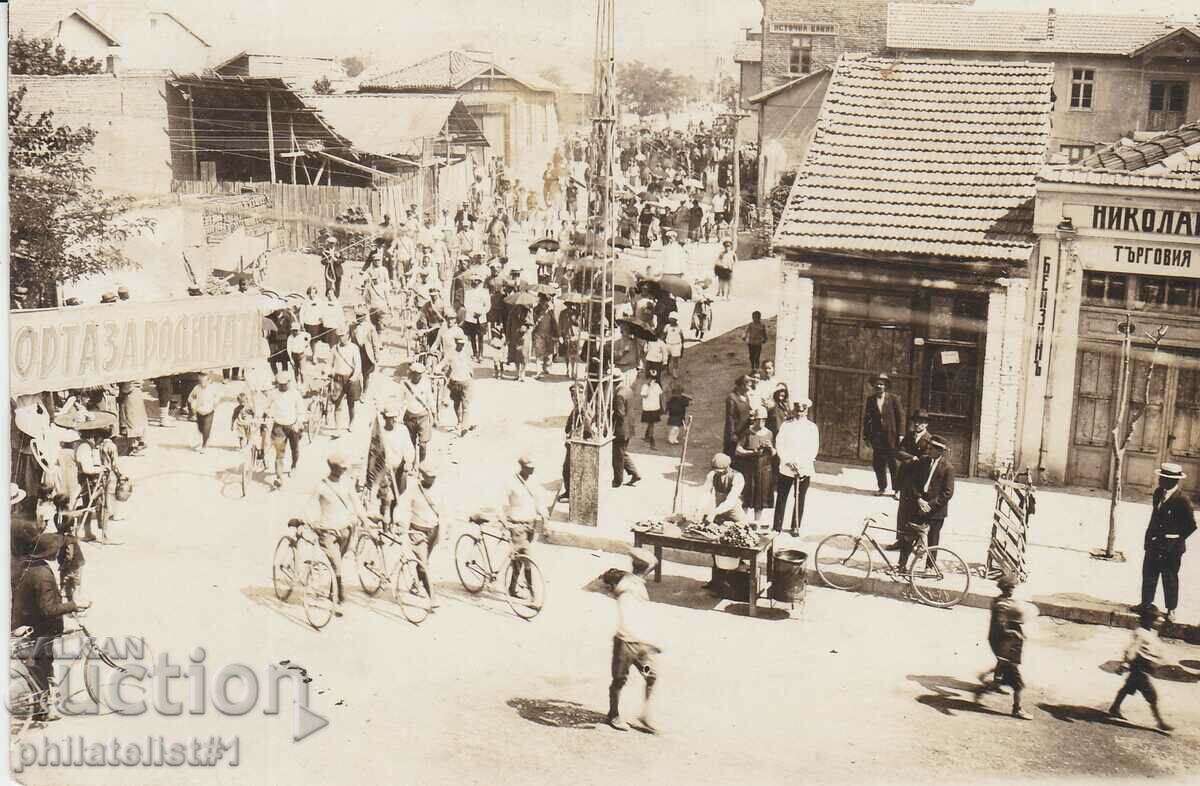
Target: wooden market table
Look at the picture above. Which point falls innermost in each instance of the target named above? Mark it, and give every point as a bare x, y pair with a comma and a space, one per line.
766, 545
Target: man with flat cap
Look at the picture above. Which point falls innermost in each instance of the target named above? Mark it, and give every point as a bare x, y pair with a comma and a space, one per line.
421, 511
341, 511
635, 641
286, 410
883, 425
523, 512
419, 408
1172, 521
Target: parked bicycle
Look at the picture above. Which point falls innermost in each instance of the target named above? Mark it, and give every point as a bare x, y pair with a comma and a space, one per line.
522, 583
404, 577
300, 562
938, 576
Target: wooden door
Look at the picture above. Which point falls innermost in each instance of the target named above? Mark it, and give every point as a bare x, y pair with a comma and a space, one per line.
848, 356
1095, 391
950, 390
1183, 438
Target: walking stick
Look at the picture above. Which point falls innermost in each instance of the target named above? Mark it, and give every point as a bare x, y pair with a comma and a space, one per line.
687, 430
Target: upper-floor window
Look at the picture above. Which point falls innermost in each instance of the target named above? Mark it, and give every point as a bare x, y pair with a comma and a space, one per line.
1105, 289
1083, 84
1168, 105
800, 58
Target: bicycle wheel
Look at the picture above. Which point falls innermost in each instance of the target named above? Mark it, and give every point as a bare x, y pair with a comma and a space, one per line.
283, 568
247, 467
312, 424
471, 563
109, 685
409, 591
372, 568
318, 593
843, 561
943, 580
524, 588
23, 702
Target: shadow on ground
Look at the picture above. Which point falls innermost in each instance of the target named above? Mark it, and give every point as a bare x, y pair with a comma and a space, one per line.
557, 713
1071, 713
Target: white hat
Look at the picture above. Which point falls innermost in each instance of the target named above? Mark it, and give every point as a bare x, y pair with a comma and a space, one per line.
1171, 471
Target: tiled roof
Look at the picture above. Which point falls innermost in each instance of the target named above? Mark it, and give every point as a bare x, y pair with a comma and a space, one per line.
1172, 151
774, 91
922, 157
36, 18
1169, 160
393, 124
959, 28
449, 70
748, 52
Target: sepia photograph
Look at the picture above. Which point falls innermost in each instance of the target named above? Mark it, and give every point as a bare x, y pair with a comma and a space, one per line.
557, 392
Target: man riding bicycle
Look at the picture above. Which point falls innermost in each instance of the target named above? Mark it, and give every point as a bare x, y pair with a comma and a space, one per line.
420, 510
523, 511
341, 510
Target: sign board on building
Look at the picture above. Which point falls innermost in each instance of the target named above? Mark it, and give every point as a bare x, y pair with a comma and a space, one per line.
83, 346
1154, 241
804, 28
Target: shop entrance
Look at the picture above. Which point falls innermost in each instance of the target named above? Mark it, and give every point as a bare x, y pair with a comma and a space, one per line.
1168, 431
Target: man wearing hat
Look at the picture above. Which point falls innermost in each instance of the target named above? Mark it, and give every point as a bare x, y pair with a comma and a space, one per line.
36, 602
796, 446
298, 344
476, 304
722, 489
1172, 521
399, 459
341, 510
419, 408
420, 510
347, 374
633, 643
366, 337
286, 410
123, 293
459, 368
883, 424
623, 429
331, 260
108, 297
523, 512
929, 486
913, 447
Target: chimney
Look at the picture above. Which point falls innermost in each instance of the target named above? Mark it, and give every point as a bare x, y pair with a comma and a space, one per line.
1050, 25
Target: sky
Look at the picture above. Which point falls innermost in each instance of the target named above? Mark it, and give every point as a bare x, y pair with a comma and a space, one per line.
686, 35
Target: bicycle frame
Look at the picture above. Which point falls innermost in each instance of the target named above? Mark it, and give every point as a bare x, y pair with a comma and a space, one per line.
494, 568
918, 551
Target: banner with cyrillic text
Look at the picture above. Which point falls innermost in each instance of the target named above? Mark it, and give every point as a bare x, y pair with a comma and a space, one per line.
83, 346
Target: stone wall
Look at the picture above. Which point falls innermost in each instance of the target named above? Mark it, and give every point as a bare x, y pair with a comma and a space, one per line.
1002, 378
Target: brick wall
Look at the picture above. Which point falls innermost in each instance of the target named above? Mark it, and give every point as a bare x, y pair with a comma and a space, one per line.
1002, 377
861, 27
793, 332
132, 152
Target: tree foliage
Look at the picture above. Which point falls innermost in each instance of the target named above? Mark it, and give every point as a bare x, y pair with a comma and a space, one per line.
354, 65
727, 93
323, 86
61, 227
42, 57
646, 90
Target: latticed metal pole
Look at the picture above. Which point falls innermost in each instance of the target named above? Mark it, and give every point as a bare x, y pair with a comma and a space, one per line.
593, 430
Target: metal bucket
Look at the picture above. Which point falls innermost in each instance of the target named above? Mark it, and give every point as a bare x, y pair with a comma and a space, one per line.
788, 578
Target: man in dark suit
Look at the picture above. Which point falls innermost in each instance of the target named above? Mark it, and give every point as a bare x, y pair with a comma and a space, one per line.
1171, 522
622, 428
928, 488
913, 447
883, 423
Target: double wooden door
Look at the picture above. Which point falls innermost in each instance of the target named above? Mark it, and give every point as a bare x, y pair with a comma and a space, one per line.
1169, 429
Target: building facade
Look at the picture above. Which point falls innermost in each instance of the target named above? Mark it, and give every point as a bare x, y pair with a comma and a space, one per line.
517, 112
907, 239
1119, 238
1114, 75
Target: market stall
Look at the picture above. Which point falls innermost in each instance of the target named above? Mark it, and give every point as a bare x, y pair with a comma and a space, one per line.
733, 541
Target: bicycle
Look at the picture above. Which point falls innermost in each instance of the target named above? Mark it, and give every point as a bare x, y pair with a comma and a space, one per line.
252, 436
26, 701
844, 562
404, 578
91, 505
476, 569
299, 562
321, 411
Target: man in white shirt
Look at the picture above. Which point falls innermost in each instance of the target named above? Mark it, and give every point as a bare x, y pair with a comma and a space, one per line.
634, 641
796, 445
656, 357
335, 319
459, 368
366, 338
347, 374
297, 348
523, 511
340, 511
673, 338
286, 411
476, 303
312, 315
419, 408
421, 510
764, 389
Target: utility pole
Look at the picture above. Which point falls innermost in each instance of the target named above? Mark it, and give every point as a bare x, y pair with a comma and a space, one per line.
593, 430
734, 116
271, 137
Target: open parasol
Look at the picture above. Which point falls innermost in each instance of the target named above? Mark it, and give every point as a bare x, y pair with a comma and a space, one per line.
524, 298
575, 297
475, 272
638, 328
544, 244
86, 421
676, 285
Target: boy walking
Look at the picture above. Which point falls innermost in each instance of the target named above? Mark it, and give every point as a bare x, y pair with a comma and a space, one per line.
1141, 656
1006, 637
755, 335
632, 643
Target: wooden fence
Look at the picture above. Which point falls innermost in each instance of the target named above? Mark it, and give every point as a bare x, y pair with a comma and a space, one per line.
303, 210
